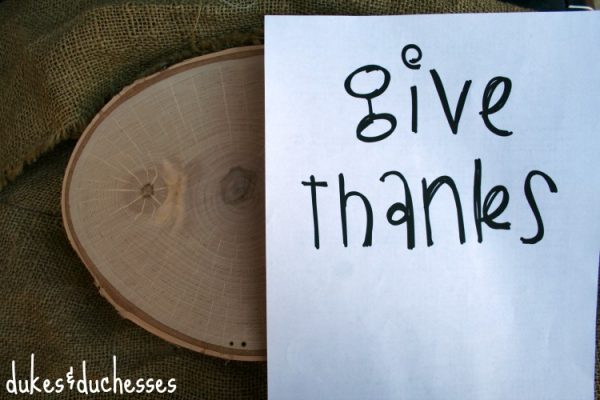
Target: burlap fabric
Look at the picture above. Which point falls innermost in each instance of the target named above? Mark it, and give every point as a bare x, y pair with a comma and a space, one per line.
60, 61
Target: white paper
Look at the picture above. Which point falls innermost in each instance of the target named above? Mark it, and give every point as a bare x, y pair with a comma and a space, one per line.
498, 319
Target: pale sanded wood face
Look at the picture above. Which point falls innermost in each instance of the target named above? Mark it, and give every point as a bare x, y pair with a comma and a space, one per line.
163, 200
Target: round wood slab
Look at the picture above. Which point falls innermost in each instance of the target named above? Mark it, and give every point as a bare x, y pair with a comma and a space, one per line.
163, 200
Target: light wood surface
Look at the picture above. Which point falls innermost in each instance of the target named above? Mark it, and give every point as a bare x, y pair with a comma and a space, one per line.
163, 199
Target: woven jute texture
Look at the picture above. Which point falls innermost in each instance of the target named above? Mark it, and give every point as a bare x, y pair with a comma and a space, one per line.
60, 61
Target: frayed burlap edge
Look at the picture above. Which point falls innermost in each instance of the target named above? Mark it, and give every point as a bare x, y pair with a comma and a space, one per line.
198, 46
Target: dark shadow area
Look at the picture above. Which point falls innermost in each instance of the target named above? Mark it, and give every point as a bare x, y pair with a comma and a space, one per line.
550, 5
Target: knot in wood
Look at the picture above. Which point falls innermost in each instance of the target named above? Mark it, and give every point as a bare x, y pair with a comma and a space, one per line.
238, 185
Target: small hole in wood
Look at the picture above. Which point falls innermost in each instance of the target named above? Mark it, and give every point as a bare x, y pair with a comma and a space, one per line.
147, 190
243, 344
231, 343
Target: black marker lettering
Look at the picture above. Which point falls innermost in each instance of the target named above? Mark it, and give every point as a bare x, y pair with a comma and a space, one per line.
415, 105
371, 116
534, 208
313, 194
486, 110
412, 63
488, 217
453, 120
343, 202
429, 192
406, 208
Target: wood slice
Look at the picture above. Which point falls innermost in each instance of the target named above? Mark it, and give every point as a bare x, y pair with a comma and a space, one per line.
163, 200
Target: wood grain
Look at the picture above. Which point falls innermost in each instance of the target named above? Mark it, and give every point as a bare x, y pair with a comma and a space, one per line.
163, 200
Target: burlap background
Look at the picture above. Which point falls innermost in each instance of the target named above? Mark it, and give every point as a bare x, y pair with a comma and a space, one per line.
60, 61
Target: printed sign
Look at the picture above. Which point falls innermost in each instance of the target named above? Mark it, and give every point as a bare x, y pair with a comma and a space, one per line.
433, 217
